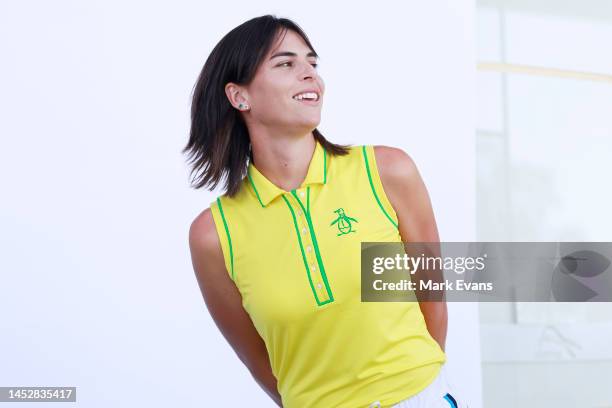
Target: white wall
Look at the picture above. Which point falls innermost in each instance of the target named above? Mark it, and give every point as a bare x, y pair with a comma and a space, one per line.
98, 289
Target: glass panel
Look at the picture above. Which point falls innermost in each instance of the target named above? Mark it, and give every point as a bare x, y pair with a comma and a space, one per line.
543, 166
559, 41
560, 142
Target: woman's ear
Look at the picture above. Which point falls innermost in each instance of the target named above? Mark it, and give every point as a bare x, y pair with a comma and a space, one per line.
236, 95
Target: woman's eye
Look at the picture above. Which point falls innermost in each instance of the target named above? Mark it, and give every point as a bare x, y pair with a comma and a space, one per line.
289, 62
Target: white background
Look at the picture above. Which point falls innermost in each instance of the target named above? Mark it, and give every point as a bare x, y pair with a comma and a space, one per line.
98, 291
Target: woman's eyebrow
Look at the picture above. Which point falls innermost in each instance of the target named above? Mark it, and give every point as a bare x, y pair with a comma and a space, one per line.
293, 54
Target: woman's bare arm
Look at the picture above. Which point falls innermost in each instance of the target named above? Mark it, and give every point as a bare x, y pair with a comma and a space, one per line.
224, 303
408, 196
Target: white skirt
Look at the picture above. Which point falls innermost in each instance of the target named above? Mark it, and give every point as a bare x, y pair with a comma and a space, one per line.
439, 394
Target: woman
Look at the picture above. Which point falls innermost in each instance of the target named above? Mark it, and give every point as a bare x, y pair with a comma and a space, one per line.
277, 257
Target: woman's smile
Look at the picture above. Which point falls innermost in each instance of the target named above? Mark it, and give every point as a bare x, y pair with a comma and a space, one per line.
311, 98
311, 102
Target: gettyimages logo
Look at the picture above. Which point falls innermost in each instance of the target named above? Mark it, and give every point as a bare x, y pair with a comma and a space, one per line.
486, 271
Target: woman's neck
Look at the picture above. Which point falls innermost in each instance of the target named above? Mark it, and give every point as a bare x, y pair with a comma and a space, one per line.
283, 160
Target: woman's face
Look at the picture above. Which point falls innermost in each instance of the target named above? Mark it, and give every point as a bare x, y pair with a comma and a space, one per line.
288, 70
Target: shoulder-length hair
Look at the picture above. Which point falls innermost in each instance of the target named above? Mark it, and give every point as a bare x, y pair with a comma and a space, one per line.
219, 144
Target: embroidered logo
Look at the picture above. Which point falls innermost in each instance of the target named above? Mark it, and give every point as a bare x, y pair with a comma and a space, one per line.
343, 222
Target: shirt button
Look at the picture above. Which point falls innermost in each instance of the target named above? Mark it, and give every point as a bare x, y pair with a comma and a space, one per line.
319, 285
314, 268
303, 230
301, 194
309, 248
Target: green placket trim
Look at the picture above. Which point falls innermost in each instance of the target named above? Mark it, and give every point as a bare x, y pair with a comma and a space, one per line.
297, 231
316, 246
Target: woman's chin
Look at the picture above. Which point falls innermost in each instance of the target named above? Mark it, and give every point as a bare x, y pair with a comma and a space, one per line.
312, 121
304, 123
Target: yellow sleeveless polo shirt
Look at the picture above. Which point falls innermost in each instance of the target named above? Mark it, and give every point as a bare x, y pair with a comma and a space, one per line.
295, 258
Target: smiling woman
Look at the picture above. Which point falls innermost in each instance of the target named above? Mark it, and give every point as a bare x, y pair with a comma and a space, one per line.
277, 256
251, 80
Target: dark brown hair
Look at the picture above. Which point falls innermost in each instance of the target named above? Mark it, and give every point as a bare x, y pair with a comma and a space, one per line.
219, 144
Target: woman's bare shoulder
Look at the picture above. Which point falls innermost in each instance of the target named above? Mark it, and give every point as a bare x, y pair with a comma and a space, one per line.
394, 164
202, 232
205, 247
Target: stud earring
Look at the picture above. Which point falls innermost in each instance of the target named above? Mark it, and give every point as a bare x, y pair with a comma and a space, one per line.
242, 106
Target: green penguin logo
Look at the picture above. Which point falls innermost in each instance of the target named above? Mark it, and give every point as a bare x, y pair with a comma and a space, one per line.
343, 222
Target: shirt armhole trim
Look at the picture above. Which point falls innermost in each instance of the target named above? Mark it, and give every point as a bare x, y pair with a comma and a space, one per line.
226, 244
376, 185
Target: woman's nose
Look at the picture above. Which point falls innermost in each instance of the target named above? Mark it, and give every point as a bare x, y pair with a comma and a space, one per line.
308, 72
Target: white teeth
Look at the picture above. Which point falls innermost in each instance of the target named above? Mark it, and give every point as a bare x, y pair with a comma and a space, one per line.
307, 95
